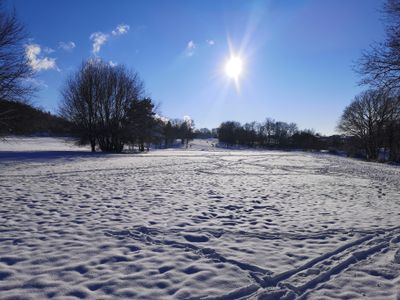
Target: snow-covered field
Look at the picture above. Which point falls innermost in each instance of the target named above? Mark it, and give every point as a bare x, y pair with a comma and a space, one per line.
202, 223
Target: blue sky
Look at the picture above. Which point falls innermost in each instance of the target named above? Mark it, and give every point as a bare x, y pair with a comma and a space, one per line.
297, 55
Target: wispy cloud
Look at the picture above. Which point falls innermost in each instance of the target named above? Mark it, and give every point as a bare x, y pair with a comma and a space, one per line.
112, 64
210, 42
67, 46
98, 39
120, 29
37, 82
190, 48
37, 63
193, 47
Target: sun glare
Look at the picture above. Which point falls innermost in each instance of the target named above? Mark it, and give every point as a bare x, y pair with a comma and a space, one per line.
234, 67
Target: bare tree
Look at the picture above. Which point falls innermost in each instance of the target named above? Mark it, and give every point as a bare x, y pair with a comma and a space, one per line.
367, 118
380, 64
268, 130
98, 99
78, 102
15, 70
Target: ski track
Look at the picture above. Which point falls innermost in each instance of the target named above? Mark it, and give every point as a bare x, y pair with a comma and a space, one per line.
204, 223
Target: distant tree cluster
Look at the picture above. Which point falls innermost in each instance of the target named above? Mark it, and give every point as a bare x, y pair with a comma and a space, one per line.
372, 121
176, 129
205, 133
108, 108
270, 134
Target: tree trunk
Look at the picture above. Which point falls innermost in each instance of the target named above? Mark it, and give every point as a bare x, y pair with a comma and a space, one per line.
93, 145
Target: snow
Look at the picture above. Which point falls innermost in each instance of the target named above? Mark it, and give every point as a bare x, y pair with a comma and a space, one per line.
196, 223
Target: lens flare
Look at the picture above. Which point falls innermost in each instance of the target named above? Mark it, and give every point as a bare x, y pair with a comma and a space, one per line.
234, 67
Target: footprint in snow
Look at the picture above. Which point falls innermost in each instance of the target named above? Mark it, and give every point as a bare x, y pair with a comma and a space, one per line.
397, 257
196, 238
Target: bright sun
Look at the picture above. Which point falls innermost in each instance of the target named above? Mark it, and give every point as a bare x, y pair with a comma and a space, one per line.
234, 67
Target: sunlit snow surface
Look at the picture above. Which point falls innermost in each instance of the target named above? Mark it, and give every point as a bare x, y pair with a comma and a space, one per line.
201, 223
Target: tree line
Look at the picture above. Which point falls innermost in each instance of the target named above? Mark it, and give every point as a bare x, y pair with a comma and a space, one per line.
276, 135
268, 133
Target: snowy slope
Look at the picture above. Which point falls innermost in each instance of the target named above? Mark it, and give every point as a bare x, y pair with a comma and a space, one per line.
201, 223
35, 144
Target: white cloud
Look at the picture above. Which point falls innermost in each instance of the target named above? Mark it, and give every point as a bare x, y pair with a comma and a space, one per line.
190, 47
210, 42
48, 50
98, 39
32, 52
67, 46
112, 64
120, 29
